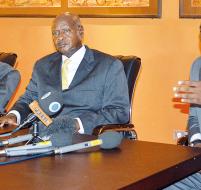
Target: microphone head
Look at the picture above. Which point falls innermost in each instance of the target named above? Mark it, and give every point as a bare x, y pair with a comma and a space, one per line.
111, 139
62, 126
51, 102
61, 138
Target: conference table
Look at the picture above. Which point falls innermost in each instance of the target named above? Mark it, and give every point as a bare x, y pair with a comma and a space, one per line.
137, 165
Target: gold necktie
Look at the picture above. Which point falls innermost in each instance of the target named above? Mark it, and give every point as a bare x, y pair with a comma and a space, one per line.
64, 74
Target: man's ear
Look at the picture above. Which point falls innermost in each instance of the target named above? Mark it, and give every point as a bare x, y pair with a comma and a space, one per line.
81, 31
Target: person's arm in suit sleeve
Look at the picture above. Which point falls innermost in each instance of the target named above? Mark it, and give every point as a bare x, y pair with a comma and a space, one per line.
194, 133
22, 105
190, 92
115, 102
8, 86
21, 108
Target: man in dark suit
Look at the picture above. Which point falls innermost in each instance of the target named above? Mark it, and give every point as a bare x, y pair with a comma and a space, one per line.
93, 84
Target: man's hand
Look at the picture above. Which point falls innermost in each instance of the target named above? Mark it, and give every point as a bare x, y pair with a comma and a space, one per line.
188, 91
9, 119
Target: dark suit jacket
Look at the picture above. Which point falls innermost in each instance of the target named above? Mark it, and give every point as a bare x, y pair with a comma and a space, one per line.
9, 80
98, 93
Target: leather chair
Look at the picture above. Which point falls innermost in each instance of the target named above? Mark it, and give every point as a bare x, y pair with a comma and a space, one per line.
9, 78
132, 65
9, 58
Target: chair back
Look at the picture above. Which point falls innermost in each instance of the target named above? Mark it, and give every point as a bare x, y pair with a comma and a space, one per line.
132, 65
9, 58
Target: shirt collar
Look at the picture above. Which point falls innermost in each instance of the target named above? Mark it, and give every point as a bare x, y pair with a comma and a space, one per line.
77, 56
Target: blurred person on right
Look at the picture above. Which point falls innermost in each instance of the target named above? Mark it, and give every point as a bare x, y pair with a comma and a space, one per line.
189, 91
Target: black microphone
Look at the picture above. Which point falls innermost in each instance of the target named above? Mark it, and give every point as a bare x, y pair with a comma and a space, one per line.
110, 139
107, 140
47, 105
51, 102
62, 123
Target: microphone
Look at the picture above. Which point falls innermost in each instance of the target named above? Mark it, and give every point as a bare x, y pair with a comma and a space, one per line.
110, 139
58, 134
49, 104
62, 123
107, 140
15, 140
42, 144
60, 138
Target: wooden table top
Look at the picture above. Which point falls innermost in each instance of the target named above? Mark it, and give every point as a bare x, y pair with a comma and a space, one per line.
134, 165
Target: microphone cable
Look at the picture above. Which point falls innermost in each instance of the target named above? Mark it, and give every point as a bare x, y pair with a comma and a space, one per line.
26, 158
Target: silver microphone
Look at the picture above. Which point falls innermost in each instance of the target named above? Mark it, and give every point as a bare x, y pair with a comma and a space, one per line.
15, 140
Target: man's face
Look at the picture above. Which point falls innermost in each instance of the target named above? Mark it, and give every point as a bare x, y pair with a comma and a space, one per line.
67, 36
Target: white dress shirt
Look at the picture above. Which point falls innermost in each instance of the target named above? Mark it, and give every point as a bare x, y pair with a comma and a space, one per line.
195, 137
75, 61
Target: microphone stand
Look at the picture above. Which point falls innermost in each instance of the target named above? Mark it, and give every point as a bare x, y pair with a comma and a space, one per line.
30, 119
36, 136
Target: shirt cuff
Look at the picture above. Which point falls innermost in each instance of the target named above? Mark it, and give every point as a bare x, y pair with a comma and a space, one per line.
194, 137
81, 130
17, 114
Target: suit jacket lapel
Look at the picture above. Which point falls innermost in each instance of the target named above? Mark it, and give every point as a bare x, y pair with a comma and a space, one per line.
54, 71
85, 67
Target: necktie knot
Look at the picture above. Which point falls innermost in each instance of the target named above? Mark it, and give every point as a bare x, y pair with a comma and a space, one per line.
66, 61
